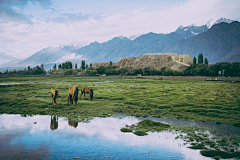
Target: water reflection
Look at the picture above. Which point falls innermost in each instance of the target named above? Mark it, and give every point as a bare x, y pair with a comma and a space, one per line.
73, 123
54, 122
101, 138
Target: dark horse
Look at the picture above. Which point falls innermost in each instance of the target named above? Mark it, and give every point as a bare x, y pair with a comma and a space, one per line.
87, 90
73, 95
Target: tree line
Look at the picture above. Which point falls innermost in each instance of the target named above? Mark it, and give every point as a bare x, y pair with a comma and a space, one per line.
200, 67
38, 70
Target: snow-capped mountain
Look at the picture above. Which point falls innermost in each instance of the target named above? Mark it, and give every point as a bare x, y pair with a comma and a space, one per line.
190, 31
193, 30
78, 45
214, 21
132, 37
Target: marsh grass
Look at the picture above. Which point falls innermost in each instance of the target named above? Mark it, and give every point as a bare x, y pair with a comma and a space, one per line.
222, 154
145, 126
199, 138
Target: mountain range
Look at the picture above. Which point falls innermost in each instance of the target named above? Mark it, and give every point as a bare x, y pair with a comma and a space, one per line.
218, 40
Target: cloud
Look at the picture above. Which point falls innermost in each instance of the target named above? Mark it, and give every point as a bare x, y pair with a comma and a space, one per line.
70, 57
12, 9
70, 17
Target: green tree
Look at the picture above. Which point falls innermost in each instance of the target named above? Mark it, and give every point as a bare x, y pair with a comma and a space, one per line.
59, 66
147, 71
200, 58
110, 63
101, 70
235, 69
206, 61
42, 66
110, 72
83, 65
194, 60
67, 65
54, 67
29, 68
68, 72
86, 66
91, 72
137, 71
76, 66
90, 64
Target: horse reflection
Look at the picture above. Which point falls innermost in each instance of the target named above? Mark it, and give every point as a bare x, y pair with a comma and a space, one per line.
54, 122
73, 123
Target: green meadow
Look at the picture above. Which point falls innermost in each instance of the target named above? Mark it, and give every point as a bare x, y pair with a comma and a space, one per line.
191, 100
206, 101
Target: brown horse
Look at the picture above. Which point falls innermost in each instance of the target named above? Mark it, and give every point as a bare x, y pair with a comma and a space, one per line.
87, 90
54, 95
73, 95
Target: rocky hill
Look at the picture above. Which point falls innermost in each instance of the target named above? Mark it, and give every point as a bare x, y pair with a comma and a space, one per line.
154, 60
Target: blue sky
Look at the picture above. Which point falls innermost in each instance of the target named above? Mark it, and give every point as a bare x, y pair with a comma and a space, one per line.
27, 26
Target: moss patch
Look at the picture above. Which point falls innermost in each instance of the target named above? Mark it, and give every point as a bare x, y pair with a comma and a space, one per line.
140, 133
145, 126
213, 153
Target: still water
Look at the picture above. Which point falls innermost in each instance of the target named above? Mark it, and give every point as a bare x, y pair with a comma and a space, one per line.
46, 137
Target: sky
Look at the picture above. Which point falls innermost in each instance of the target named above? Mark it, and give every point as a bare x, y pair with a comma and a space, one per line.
27, 26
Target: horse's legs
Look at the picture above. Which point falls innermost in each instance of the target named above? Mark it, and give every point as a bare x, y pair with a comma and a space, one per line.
73, 100
68, 97
84, 95
80, 95
51, 98
56, 99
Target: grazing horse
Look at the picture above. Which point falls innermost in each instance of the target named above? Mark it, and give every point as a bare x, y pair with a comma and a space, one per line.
54, 95
73, 95
54, 122
87, 90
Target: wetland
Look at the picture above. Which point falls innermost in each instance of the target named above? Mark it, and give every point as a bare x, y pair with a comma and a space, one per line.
202, 114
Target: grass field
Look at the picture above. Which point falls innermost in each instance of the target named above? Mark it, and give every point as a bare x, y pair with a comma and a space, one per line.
206, 101
193, 100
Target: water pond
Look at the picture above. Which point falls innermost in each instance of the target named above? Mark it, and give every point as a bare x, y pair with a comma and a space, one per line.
50, 137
